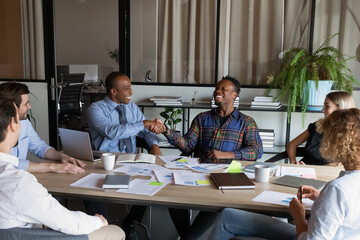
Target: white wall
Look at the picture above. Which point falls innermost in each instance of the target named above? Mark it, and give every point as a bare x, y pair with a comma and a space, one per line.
39, 105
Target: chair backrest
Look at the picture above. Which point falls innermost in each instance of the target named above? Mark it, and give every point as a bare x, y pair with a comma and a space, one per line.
70, 93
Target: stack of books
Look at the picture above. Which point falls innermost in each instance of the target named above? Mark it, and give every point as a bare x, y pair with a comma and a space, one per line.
166, 100
236, 103
262, 102
268, 138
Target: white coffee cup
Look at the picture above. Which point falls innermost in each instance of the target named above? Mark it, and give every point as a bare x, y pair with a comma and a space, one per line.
262, 173
108, 160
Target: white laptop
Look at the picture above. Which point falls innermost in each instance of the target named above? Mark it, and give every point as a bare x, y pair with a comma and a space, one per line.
77, 144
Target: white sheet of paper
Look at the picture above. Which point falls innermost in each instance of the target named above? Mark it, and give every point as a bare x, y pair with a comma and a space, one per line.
93, 180
279, 198
166, 175
142, 187
296, 171
184, 160
191, 179
206, 167
142, 169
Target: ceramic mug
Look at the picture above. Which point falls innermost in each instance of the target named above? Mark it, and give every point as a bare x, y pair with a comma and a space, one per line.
108, 160
262, 173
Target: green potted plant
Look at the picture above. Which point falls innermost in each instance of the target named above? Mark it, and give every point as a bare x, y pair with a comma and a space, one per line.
172, 117
113, 54
301, 69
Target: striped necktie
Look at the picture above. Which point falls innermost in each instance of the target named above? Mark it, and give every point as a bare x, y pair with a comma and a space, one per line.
124, 141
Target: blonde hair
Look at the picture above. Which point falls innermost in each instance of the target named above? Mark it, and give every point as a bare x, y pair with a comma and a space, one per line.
341, 138
343, 100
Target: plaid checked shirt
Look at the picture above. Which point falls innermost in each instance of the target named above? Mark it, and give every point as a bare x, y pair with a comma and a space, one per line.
239, 134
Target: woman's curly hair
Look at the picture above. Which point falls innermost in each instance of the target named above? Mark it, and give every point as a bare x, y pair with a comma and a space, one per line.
341, 138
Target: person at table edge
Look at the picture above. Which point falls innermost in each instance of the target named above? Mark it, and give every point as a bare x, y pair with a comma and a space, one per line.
223, 132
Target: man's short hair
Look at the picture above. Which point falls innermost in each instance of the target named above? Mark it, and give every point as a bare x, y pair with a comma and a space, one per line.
234, 81
110, 80
7, 112
14, 90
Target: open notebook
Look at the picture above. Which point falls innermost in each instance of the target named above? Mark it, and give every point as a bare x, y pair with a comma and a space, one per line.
135, 158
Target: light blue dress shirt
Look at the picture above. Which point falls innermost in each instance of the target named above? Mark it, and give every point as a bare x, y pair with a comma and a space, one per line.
106, 130
28, 140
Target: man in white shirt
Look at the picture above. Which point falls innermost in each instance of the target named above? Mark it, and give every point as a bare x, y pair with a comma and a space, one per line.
30, 141
25, 202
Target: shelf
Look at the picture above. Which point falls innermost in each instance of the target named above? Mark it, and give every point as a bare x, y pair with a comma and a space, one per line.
275, 150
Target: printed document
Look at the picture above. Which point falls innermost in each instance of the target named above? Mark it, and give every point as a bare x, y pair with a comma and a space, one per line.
93, 180
279, 198
142, 169
143, 187
191, 179
296, 171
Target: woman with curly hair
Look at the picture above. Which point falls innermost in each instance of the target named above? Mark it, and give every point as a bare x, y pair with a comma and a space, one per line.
335, 213
333, 101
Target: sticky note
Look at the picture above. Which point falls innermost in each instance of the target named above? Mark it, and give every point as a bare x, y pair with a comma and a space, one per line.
182, 160
203, 182
235, 167
154, 183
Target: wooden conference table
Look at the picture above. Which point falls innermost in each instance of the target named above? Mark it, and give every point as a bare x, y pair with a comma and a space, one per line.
177, 196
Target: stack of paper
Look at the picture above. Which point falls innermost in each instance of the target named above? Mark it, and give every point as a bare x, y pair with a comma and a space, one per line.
267, 137
262, 102
166, 100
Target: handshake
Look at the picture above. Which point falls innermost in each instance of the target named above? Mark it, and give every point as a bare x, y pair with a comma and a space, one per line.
156, 126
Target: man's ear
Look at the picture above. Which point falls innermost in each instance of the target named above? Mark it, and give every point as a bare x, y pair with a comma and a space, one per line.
235, 95
113, 91
12, 125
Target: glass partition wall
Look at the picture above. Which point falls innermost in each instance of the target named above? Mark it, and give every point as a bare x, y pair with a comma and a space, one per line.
199, 41
196, 42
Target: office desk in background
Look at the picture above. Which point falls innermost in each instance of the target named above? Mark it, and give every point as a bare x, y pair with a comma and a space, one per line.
201, 198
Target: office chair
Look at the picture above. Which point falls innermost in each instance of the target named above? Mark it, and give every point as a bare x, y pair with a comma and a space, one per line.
69, 104
141, 143
300, 152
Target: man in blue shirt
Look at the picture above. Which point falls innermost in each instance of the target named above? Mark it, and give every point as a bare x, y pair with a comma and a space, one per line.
114, 123
30, 140
108, 131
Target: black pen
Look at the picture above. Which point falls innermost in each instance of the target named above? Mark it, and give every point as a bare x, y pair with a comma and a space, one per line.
176, 159
300, 193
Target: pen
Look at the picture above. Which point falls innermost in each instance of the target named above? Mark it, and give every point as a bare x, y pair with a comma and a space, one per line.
176, 159
300, 193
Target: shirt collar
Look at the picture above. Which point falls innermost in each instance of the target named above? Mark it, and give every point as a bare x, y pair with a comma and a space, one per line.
342, 173
110, 103
234, 114
4, 157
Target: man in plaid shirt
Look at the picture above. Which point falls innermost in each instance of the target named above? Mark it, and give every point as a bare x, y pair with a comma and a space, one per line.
222, 133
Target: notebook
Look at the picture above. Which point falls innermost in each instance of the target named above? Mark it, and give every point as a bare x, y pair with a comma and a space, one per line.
232, 181
117, 181
134, 158
77, 144
293, 181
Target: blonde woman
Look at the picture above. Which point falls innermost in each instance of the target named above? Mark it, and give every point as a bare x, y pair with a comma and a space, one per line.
335, 213
333, 101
